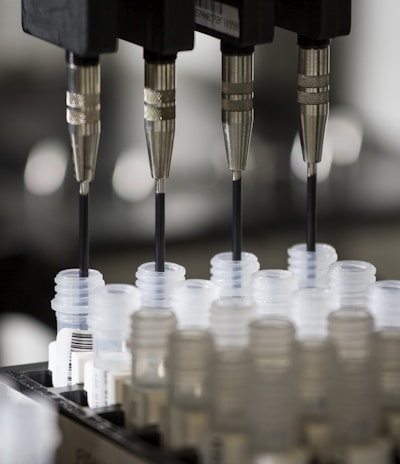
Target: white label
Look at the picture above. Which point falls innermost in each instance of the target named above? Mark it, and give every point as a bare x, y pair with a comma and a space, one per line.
99, 388
218, 17
68, 341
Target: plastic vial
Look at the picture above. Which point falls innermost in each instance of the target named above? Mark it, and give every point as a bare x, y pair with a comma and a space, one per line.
151, 328
350, 280
274, 415
189, 367
271, 291
317, 381
29, 428
228, 440
71, 305
230, 318
234, 277
191, 300
155, 287
356, 415
384, 304
311, 267
110, 311
309, 311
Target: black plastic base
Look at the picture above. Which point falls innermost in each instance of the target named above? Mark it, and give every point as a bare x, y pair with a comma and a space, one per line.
96, 434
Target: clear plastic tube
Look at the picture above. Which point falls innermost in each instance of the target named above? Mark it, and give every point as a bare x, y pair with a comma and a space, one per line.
155, 287
71, 301
234, 277
311, 267
71, 305
191, 301
272, 289
228, 441
29, 428
230, 318
356, 411
309, 310
189, 360
388, 347
317, 383
350, 280
151, 328
272, 396
384, 304
110, 311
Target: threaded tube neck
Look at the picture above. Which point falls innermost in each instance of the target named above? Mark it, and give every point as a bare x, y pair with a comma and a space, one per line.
155, 287
383, 301
72, 291
272, 338
230, 318
350, 280
151, 328
271, 290
309, 311
311, 267
111, 307
191, 300
351, 330
234, 277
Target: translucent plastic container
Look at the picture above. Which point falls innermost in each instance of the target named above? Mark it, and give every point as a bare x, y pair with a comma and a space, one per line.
311, 267
155, 287
230, 318
229, 429
189, 391
151, 328
71, 301
29, 428
274, 411
388, 356
191, 300
309, 311
234, 277
317, 387
110, 311
271, 291
71, 305
384, 304
350, 281
356, 417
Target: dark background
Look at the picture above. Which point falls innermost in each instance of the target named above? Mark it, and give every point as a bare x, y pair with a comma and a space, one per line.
359, 201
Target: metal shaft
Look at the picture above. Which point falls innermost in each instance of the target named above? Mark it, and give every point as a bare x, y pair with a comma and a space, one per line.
313, 108
160, 230
237, 124
237, 219
311, 208
84, 235
159, 122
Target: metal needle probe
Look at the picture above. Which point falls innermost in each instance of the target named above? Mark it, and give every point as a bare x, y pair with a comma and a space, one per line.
313, 108
237, 124
159, 123
83, 119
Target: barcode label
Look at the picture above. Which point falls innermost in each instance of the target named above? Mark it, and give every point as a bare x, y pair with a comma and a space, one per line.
218, 17
80, 342
210, 5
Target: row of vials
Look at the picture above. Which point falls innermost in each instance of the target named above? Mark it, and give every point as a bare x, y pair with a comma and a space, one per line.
270, 366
